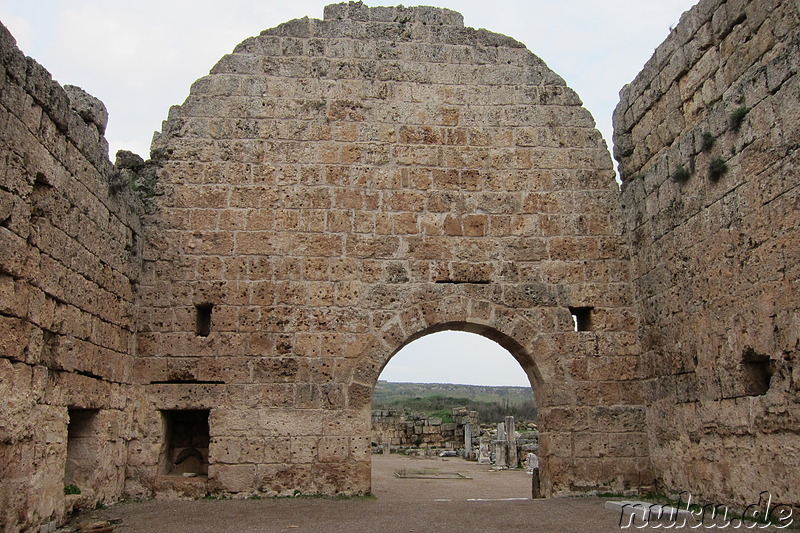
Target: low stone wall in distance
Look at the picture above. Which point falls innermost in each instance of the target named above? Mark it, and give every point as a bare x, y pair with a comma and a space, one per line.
400, 430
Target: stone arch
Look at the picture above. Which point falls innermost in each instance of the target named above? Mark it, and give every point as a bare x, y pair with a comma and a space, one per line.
370, 365
457, 312
412, 324
525, 359
333, 188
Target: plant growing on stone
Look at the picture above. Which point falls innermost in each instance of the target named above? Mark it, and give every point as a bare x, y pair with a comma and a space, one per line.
445, 416
717, 168
681, 174
71, 489
737, 118
708, 141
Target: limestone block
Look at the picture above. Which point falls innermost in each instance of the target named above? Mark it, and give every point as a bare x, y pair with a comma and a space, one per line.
304, 449
333, 449
342, 478
283, 479
232, 477
89, 108
235, 450
285, 422
15, 334
591, 445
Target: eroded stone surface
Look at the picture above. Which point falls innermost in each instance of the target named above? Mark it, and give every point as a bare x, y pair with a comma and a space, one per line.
68, 263
89, 108
334, 189
715, 257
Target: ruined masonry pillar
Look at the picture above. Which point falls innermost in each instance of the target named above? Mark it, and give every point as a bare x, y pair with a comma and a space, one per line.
500, 446
467, 440
511, 438
483, 451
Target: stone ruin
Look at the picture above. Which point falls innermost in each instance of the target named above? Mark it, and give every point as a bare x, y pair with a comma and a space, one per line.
214, 319
416, 434
393, 431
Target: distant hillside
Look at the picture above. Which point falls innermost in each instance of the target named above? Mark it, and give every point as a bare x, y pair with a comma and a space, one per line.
492, 403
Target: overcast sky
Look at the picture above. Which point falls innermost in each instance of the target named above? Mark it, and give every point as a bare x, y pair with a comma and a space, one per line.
455, 357
141, 56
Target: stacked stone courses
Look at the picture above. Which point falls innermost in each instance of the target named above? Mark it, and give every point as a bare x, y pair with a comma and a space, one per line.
336, 188
68, 265
715, 258
214, 320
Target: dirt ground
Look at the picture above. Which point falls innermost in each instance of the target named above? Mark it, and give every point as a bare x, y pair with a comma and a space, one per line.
488, 501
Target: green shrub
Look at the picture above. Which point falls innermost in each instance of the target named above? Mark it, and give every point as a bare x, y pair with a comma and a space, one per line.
446, 416
71, 489
708, 141
737, 118
681, 174
716, 169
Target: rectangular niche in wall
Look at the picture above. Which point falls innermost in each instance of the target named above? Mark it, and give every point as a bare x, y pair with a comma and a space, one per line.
581, 318
83, 447
186, 437
203, 319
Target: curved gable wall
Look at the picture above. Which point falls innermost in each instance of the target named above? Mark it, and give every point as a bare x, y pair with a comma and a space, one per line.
336, 187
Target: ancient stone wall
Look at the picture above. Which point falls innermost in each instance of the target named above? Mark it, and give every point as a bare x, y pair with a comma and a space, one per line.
707, 139
67, 269
399, 429
337, 188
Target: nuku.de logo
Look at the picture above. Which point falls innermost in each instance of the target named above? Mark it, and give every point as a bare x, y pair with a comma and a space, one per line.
765, 513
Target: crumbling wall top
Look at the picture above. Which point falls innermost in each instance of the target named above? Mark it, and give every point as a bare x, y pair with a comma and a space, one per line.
358, 21
90, 108
422, 14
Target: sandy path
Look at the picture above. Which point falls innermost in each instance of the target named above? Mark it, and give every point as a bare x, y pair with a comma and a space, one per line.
490, 501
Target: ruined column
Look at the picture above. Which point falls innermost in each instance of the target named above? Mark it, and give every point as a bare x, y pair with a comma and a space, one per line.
536, 489
468, 440
511, 439
484, 457
501, 446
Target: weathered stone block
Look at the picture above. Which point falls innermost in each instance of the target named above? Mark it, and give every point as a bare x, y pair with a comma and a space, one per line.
284, 479
232, 477
333, 449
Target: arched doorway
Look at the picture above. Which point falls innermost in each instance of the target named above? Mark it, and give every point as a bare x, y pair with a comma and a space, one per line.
499, 342
437, 425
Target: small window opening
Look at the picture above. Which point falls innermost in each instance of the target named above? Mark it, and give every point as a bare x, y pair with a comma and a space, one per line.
203, 320
41, 181
82, 450
582, 318
757, 372
186, 438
